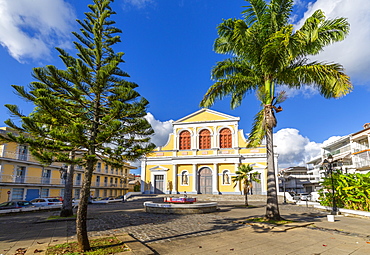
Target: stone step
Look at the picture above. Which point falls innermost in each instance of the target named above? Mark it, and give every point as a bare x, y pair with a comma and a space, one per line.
202, 197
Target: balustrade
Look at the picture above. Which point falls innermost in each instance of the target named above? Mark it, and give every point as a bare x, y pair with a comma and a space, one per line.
29, 179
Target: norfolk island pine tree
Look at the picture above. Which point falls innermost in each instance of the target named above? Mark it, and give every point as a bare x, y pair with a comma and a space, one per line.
266, 52
101, 113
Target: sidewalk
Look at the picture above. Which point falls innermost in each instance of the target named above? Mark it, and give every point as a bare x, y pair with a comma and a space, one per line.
213, 233
313, 235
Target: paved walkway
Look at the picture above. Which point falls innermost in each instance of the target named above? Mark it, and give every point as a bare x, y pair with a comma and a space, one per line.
219, 232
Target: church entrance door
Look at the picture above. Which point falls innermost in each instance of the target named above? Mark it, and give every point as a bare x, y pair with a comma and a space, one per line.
205, 181
158, 184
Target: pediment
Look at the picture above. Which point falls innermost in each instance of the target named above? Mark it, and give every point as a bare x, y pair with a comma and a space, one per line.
206, 115
158, 168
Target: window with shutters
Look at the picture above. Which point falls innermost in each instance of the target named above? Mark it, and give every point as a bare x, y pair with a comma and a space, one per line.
184, 140
204, 139
225, 138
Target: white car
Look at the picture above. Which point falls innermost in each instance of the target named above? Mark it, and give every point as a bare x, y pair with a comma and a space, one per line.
304, 196
42, 201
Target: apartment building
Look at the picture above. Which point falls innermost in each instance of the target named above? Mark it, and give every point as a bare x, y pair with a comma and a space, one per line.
351, 154
23, 177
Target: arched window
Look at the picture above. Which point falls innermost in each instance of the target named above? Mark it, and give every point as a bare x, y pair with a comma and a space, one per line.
226, 177
225, 138
184, 178
184, 140
204, 139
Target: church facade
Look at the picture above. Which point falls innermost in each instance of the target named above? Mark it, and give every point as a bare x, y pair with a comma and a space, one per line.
201, 156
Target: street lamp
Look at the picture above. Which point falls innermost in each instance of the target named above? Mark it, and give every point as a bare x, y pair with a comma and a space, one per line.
63, 172
328, 163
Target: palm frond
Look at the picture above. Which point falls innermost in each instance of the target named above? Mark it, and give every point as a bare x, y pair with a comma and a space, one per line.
329, 79
258, 131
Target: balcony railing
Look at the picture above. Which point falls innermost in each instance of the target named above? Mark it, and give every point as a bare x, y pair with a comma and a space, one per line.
360, 147
362, 159
30, 180
346, 148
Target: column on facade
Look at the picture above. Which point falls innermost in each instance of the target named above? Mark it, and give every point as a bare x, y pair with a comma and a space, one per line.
193, 140
237, 187
195, 179
236, 137
215, 179
174, 179
143, 175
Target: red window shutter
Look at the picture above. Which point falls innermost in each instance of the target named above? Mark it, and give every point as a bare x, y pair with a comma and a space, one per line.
185, 143
225, 138
204, 139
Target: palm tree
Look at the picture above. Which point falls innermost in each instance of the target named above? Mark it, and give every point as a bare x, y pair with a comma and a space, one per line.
266, 52
245, 177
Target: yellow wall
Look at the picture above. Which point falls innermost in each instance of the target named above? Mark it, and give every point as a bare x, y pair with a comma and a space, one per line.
205, 116
7, 169
10, 150
170, 144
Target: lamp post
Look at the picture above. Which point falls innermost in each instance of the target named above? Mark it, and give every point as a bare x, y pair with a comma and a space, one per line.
63, 172
328, 163
283, 180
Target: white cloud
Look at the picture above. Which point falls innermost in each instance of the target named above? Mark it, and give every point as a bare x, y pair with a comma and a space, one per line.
295, 149
161, 129
138, 3
160, 137
354, 52
30, 29
305, 91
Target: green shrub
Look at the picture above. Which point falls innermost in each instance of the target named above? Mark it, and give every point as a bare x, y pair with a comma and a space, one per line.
352, 191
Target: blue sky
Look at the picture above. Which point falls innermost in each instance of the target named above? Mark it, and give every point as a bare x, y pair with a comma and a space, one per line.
168, 53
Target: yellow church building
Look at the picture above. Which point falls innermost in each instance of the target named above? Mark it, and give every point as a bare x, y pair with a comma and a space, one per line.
201, 156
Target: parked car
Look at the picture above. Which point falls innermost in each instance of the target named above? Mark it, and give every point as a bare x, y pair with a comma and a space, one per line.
15, 204
61, 199
107, 198
302, 196
43, 201
305, 196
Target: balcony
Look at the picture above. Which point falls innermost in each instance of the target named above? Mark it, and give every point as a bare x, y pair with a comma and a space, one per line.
45, 180
346, 148
362, 159
4, 179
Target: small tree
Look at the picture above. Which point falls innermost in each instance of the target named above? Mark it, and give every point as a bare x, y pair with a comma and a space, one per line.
90, 106
245, 176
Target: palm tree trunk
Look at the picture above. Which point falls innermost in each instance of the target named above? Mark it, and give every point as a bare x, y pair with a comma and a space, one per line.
246, 195
272, 207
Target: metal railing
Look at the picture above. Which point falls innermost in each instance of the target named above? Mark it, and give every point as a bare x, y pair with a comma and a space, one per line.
29, 180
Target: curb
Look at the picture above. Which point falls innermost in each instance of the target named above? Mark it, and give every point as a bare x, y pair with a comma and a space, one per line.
136, 247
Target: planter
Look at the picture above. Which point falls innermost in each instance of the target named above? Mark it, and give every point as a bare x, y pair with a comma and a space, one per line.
331, 217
